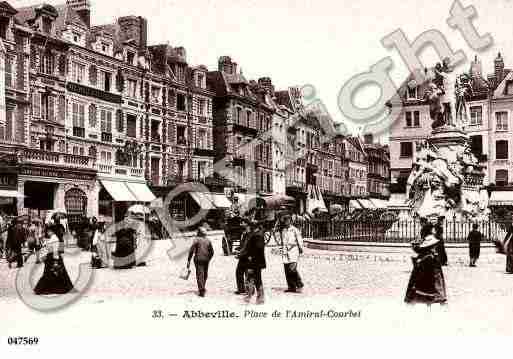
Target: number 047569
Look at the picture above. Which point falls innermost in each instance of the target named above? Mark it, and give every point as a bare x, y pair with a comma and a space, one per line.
22, 340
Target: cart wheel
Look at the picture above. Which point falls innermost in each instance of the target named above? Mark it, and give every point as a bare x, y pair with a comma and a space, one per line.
226, 247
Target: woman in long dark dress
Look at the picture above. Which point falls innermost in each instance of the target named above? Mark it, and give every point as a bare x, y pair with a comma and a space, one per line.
427, 283
55, 278
474, 244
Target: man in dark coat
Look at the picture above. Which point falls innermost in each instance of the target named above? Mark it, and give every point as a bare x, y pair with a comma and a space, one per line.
241, 270
203, 252
16, 236
254, 254
474, 244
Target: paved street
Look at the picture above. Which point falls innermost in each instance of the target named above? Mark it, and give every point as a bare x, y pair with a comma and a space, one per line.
371, 282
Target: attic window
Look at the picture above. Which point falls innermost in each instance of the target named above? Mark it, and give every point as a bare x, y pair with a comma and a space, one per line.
76, 37
47, 25
105, 47
130, 57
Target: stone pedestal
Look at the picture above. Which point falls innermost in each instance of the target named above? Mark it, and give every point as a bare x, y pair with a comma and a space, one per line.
449, 141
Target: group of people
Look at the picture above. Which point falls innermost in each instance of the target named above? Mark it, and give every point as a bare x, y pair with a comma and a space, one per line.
251, 257
16, 233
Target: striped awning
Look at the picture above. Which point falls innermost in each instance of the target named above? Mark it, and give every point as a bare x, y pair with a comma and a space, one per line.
366, 203
378, 203
354, 204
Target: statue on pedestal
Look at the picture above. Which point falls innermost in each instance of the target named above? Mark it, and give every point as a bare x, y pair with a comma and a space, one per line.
447, 94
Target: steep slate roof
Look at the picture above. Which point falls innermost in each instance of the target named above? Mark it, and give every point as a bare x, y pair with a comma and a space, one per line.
500, 91
65, 15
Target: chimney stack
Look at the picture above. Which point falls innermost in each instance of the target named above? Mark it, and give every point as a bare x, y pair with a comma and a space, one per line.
226, 65
82, 8
499, 68
267, 84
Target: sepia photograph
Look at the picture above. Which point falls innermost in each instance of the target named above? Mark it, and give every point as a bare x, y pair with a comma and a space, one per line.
320, 177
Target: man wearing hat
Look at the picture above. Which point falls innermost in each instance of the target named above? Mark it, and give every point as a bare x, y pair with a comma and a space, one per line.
203, 252
291, 244
253, 253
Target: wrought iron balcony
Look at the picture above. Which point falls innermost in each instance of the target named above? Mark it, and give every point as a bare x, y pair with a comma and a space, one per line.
57, 158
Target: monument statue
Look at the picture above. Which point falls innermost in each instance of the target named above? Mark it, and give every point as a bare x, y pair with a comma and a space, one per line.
446, 94
446, 179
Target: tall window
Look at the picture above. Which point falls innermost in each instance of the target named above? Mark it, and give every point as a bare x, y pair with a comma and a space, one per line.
501, 121
476, 115
501, 177
155, 94
8, 71
78, 119
105, 81
131, 125
202, 138
47, 64
77, 72
412, 118
238, 114
202, 170
202, 107
130, 56
106, 121
47, 25
180, 135
4, 25
501, 150
36, 104
132, 87
406, 149
180, 102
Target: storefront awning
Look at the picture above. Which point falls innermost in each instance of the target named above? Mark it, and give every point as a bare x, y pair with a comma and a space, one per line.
397, 201
119, 191
10, 194
354, 204
501, 198
202, 200
220, 200
366, 204
378, 203
141, 192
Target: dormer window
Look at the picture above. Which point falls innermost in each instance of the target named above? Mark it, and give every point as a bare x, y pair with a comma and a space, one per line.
200, 80
77, 37
412, 93
47, 25
130, 56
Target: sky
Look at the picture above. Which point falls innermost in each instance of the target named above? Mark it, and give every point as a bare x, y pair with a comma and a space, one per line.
299, 42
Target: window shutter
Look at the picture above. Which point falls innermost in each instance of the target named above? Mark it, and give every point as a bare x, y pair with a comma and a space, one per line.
75, 115
62, 109
81, 109
171, 133
119, 120
109, 121
93, 75
51, 108
36, 104
92, 115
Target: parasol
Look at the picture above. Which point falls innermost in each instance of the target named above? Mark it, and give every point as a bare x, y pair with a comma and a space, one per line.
55, 214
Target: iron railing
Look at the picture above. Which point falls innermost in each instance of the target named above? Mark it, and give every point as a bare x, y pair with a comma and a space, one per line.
400, 231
